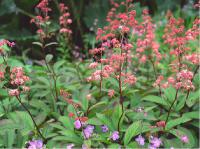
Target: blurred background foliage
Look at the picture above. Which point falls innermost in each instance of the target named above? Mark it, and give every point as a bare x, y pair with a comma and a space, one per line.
87, 16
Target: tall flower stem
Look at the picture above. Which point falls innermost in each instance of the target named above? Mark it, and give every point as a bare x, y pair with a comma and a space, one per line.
101, 75
37, 128
176, 95
121, 100
53, 77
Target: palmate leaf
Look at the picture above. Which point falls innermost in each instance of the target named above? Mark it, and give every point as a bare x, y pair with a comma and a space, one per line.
133, 130
23, 120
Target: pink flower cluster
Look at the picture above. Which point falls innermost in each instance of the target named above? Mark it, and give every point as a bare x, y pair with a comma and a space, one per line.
42, 19
184, 80
147, 47
5, 42
176, 36
193, 58
64, 19
191, 34
18, 79
116, 50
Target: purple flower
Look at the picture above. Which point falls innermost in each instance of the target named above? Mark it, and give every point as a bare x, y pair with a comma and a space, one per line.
77, 124
88, 131
35, 144
70, 146
184, 139
140, 140
104, 128
155, 142
115, 136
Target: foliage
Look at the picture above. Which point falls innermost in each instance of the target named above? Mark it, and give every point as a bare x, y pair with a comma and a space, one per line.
138, 87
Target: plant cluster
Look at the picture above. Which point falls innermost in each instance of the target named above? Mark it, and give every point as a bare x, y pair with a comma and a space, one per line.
140, 89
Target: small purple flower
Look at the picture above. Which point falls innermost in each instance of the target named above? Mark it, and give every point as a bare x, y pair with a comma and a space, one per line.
104, 128
77, 124
140, 140
35, 144
115, 136
155, 142
88, 131
184, 139
70, 146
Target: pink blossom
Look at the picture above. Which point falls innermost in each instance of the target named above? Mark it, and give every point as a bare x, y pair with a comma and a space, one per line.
77, 124
184, 139
13, 92
93, 65
111, 93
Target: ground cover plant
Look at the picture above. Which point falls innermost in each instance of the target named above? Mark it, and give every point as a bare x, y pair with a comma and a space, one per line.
135, 84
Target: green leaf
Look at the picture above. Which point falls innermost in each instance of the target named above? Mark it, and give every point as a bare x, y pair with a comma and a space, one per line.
170, 93
181, 103
66, 121
192, 115
116, 116
49, 57
49, 44
7, 6
155, 99
105, 120
38, 43
97, 105
133, 130
193, 98
183, 131
175, 122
